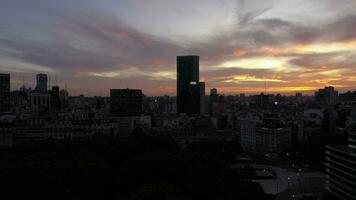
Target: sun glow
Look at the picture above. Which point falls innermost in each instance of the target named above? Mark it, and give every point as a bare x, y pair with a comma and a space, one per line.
251, 78
273, 63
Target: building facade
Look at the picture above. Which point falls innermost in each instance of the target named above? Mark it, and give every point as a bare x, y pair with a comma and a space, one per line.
126, 102
188, 87
40, 103
41, 82
341, 169
327, 96
265, 139
4, 93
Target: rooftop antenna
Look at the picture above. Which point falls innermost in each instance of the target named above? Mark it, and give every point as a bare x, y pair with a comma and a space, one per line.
56, 80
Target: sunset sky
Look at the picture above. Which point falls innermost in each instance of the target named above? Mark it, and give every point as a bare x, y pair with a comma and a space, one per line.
95, 45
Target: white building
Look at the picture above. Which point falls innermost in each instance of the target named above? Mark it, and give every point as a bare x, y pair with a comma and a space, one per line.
70, 129
263, 139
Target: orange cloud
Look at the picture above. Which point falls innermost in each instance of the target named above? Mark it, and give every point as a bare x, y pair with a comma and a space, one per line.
240, 52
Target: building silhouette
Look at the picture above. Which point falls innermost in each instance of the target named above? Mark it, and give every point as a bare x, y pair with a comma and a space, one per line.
262, 101
126, 102
41, 82
55, 100
188, 86
341, 169
40, 103
267, 137
327, 96
4, 93
202, 97
213, 92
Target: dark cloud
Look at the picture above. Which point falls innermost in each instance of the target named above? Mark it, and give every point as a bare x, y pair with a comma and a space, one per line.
335, 60
91, 41
342, 29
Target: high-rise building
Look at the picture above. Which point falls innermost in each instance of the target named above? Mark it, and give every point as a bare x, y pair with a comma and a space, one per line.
341, 169
327, 96
4, 92
126, 102
41, 82
202, 97
188, 87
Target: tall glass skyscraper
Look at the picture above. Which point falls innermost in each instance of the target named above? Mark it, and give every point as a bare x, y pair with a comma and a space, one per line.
188, 87
41, 82
4, 92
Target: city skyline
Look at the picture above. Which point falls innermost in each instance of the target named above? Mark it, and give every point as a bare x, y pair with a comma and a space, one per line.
178, 99
32, 85
128, 44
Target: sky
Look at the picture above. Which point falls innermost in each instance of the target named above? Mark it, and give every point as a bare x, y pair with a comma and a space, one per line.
92, 46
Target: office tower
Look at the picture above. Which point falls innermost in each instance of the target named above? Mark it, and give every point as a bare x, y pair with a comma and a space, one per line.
188, 87
4, 93
341, 169
41, 82
202, 97
126, 102
327, 96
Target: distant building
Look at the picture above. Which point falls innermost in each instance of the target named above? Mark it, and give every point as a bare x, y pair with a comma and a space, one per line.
4, 93
126, 102
213, 92
267, 139
7, 130
262, 101
63, 97
125, 125
40, 103
41, 82
341, 169
188, 87
348, 96
327, 96
84, 128
216, 103
299, 97
55, 99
